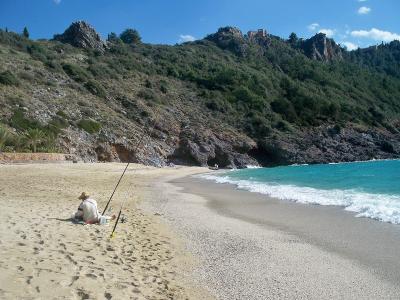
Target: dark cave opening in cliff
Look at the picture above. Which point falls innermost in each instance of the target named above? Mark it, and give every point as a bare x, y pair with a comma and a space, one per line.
221, 160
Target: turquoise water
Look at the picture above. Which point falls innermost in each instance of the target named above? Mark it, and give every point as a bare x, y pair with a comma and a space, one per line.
371, 189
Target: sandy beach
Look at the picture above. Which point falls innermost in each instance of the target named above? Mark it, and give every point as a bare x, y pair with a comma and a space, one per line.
45, 256
253, 247
186, 238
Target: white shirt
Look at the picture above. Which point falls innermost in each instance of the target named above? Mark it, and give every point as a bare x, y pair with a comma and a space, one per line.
88, 207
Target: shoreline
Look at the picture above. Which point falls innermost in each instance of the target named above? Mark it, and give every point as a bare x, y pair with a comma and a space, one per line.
327, 226
186, 238
316, 251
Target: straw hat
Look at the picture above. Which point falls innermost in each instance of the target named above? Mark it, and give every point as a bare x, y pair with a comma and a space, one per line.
83, 196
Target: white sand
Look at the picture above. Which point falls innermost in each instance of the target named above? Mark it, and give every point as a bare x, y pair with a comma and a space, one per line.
45, 258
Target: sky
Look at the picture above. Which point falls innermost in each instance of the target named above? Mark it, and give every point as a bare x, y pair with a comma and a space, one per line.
352, 23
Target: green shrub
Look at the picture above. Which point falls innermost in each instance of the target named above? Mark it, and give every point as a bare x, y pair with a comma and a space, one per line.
18, 121
37, 52
26, 76
217, 104
62, 114
147, 94
4, 137
89, 126
95, 88
8, 78
76, 72
284, 108
283, 126
163, 88
18, 142
35, 137
258, 126
148, 84
130, 36
102, 71
57, 124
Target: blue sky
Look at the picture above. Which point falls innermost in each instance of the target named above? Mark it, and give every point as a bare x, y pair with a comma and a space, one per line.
350, 22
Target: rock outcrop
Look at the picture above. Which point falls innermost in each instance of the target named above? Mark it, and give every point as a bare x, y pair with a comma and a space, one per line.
321, 48
230, 38
205, 148
328, 144
82, 35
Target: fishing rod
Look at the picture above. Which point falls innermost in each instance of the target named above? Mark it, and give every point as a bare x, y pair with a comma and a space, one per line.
123, 173
128, 192
119, 215
119, 181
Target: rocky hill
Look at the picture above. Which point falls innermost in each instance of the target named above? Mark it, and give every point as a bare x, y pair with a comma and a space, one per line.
233, 99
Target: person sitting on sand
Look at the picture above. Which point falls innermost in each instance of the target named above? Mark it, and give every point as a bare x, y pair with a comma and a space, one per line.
87, 210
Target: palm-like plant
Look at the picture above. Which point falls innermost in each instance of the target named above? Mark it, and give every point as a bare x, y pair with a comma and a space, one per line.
4, 137
34, 137
19, 142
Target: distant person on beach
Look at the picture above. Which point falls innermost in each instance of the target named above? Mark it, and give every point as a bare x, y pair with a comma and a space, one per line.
87, 210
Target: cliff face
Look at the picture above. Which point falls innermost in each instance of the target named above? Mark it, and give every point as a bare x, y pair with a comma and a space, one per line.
321, 48
232, 99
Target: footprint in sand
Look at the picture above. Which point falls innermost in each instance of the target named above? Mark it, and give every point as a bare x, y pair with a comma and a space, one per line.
74, 278
71, 259
83, 294
93, 276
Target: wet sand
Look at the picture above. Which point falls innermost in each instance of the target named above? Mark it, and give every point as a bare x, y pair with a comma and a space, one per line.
254, 247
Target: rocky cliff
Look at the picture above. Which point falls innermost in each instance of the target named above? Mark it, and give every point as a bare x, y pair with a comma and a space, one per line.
321, 48
82, 35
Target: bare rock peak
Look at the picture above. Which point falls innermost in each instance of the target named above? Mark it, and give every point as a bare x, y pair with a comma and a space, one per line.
320, 47
80, 34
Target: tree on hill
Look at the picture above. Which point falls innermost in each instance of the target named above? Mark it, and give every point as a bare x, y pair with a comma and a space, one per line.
113, 37
25, 33
293, 39
130, 36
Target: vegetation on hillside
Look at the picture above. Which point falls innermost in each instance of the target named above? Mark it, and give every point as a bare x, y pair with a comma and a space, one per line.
280, 90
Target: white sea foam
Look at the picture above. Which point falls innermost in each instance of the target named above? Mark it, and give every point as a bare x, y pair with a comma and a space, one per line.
385, 208
253, 167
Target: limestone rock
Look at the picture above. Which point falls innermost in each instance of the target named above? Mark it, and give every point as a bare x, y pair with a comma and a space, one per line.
319, 47
82, 35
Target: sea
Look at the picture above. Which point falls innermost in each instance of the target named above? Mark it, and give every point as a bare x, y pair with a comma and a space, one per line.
370, 189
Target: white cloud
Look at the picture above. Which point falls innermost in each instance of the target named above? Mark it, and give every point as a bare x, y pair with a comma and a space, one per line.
362, 0
363, 10
313, 26
328, 32
350, 46
183, 38
376, 34
57, 1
